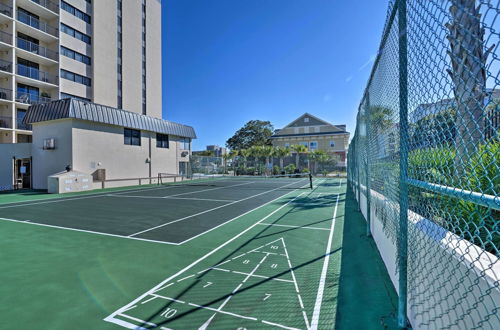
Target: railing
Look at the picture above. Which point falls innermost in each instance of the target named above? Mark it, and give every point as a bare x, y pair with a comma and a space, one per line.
5, 9
424, 163
50, 5
28, 98
6, 37
5, 122
5, 66
37, 24
5, 94
36, 74
36, 49
21, 125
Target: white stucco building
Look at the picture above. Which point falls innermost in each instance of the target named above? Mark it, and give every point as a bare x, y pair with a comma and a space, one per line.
91, 137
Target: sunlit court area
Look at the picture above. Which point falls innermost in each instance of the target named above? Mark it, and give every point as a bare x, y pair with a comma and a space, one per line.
204, 253
249, 164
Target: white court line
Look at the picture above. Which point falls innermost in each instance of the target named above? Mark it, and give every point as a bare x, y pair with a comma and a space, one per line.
279, 325
182, 198
290, 226
224, 312
30, 222
111, 318
139, 320
321, 287
93, 195
206, 211
239, 216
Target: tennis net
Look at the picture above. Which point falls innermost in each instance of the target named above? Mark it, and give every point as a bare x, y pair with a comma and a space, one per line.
289, 181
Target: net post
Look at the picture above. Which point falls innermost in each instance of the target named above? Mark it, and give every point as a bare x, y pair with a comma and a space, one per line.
403, 165
367, 168
310, 181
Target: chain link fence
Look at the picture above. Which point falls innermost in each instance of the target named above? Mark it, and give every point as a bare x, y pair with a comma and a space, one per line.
252, 165
424, 161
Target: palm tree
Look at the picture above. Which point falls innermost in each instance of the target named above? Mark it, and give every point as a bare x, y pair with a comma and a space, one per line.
298, 149
267, 151
315, 156
468, 73
226, 157
281, 152
245, 153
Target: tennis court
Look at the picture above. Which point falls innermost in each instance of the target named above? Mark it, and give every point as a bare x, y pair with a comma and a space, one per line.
239, 253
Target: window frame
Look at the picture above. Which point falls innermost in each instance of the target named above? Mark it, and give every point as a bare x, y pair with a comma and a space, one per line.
162, 141
129, 138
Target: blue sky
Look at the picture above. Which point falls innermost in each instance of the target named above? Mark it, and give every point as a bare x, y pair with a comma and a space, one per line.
229, 61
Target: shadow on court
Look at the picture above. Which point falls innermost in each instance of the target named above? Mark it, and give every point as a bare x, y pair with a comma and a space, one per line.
367, 298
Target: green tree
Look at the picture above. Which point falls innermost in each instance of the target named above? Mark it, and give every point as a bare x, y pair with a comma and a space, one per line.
298, 149
245, 153
315, 156
254, 133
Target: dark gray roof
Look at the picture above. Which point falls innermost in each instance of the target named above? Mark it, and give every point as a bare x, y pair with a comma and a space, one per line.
77, 109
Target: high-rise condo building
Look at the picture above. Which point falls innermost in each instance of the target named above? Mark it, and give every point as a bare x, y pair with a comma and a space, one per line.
103, 51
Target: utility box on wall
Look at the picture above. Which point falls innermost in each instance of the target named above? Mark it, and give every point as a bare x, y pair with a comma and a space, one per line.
72, 181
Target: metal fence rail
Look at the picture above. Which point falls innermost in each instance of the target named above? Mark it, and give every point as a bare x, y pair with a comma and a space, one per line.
424, 161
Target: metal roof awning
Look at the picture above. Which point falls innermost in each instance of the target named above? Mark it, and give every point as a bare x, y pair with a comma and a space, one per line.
77, 109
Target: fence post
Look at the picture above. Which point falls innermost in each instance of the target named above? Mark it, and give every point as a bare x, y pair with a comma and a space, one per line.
403, 165
367, 168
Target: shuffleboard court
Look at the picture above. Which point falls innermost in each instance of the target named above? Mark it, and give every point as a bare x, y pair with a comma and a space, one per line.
170, 214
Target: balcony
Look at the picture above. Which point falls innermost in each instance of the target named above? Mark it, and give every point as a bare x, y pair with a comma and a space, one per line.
50, 5
36, 49
33, 73
5, 94
28, 98
6, 37
5, 9
37, 24
23, 126
5, 122
5, 66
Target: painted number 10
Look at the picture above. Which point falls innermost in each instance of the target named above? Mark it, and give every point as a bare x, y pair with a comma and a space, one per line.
168, 313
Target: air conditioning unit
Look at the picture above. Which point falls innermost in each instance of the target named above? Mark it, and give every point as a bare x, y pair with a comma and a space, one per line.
49, 144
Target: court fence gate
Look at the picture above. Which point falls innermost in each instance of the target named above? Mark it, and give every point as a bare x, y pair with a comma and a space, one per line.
424, 161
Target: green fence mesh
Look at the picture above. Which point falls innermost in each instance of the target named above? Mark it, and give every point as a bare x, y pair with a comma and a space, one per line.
424, 160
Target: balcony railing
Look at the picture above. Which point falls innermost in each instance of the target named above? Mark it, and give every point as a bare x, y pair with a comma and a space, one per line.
5, 66
21, 125
28, 98
5, 9
5, 94
36, 49
6, 37
33, 73
36, 23
50, 5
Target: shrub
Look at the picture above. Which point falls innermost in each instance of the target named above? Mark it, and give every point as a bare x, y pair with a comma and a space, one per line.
290, 168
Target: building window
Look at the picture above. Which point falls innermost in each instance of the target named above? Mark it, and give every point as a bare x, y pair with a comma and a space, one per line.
75, 55
305, 144
75, 12
287, 145
132, 136
161, 140
71, 96
75, 34
306, 119
332, 144
76, 77
313, 145
185, 144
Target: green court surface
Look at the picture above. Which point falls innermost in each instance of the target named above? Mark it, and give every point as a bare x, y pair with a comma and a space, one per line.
238, 253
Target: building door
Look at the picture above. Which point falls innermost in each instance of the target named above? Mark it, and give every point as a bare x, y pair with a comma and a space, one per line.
183, 168
22, 173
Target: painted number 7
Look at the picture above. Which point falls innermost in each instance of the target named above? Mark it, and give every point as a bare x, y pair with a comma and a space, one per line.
267, 295
208, 284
